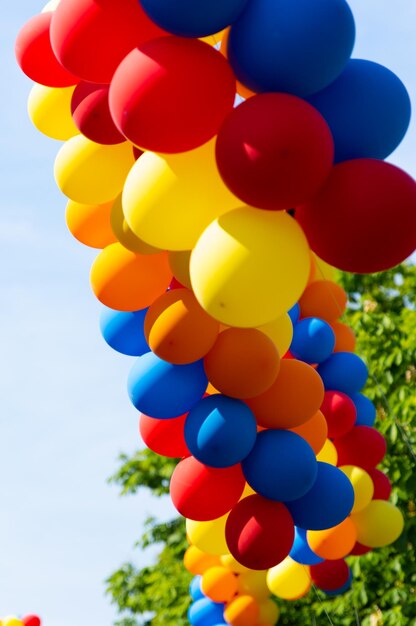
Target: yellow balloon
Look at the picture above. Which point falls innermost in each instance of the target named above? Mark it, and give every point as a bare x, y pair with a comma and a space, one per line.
320, 270
289, 580
168, 200
49, 110
208, 536
250, 266
230, 562
362, 484
90, 173
254, 584
248, 491
12, 621
179, 264
124, 234
269, 612
328, 454
280, 332
215, 39
379, 524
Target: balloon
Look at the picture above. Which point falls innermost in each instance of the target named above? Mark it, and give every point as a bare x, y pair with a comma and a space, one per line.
242, 611
323, 299
162, 192
362, 484
124, 233
219, 584
379, 524
183, 108
197, 562
205, 613
340, 590
12, 621
330, 575
320, 271
344, 337
209, 536
374, 225
160, 389
382, 485
362, 446
126, 281
280, 332
243, 362
314, 431
90, 173
289, 580
178, 330
274, 151
333, 543
269, 612
366, 411
340, 413
367, 109
251, 532
36, 57
195, 588
90, 224
124, 331
327, 503
179, 264
313, 340
91, 114
301, 551
344, 372
250, 243
294, 313
164, 436
91, 38
253, 583
49, 110
298, 49
31, 620
359, 550
293, 398
203, 493
230, 562
328, 454
220, 431
281, 466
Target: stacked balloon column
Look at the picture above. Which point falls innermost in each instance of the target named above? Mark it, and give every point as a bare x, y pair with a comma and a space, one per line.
28, 620
218, 226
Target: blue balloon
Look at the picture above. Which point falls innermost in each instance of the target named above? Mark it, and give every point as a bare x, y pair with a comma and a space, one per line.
313, 340
294, 313
294, 47
343, 371
195, 588
160, 389
220, 431
366, 411
327, 503
282, 466
367, 109
345, 587
124, 331
301, 552
190, 18
206, 613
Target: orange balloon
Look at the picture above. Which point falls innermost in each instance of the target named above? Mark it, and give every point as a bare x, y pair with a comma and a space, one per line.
292, 400
333, 543
344, 337
198, 562
126, 281
124, 233
323, 299
314, 431
90, 224
177, 328
243, 363
242, 611
219, 584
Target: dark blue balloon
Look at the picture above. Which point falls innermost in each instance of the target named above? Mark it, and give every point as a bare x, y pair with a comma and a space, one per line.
295, 47
192, 18
163, 390
301, 552
206, 613
337, 592
343, 371
195, 588
367, 109
220, 431
366, 411
313, 340
327, 503
294, 313
282, 466
124, 331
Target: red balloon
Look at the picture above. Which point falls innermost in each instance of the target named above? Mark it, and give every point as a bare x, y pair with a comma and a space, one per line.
91, 114
164, 436
359, 549
172, 94
35, 56
330, 575
340, 413
259, 532
204, 493
362, 446
274, 151
31, 620
91, 37
382, 485
364, 218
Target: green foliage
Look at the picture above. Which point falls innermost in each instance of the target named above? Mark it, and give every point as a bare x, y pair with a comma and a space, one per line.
382, 313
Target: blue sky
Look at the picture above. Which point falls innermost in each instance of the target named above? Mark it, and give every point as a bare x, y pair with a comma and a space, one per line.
65, 415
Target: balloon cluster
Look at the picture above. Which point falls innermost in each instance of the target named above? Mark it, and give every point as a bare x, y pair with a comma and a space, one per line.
206, 207
28, 620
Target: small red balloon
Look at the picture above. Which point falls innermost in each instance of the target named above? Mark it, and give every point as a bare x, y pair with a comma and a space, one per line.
204, 493
259, 532
364, 218
362, 446
91, 114
340, 413
330, 575
31, 620
382, 485
359, 549
164, 436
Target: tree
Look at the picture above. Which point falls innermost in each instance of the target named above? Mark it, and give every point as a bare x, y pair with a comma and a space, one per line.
382, 312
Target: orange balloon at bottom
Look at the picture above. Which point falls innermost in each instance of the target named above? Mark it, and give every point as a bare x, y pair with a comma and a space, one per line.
242, 611
333, 543
219, 584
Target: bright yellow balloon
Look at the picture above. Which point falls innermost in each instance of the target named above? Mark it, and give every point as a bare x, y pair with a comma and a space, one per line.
230, 563
49, 110
254, 584
362, 484
280, 332
379, 524
208, 536
328, 454
248, 491
289, 580
124, 234
250, 266
168, 200
320, 270
91, 173
179, 264
12, 621
269, 612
